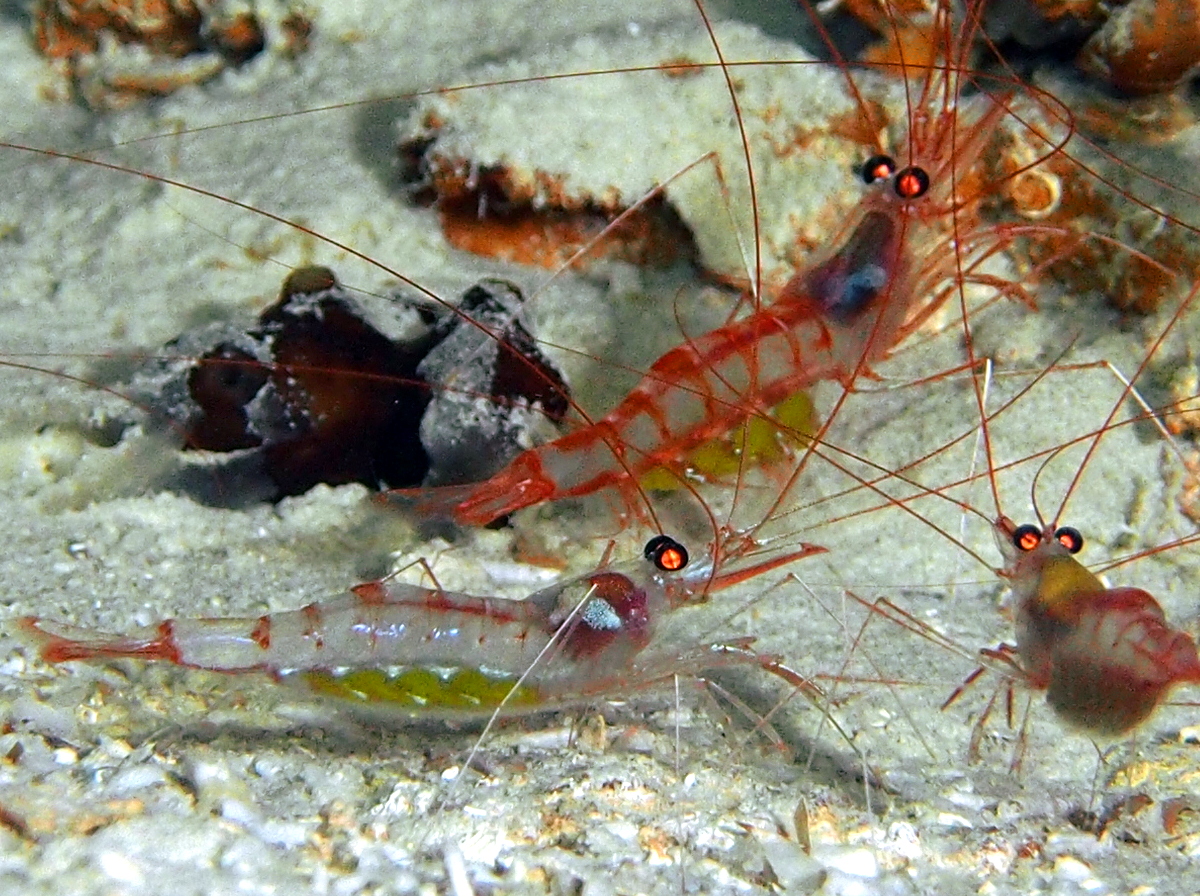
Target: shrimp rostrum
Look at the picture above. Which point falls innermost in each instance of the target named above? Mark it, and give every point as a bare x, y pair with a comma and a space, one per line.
422, 651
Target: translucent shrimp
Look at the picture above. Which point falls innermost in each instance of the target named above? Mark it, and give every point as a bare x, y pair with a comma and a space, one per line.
431, 652
888, 271
1106, 657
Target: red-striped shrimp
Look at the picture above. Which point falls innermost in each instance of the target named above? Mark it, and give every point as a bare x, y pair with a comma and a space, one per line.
972, 142
910, 241
432, 652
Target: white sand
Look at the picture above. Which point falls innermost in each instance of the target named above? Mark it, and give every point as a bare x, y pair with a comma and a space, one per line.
125, 778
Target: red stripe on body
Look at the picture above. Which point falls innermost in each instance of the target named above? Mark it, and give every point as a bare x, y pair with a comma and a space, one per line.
376, 594
695, 367
312, 613
261, 633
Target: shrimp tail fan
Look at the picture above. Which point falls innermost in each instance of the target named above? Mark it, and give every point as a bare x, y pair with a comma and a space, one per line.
473, 504
58, 642
437, 504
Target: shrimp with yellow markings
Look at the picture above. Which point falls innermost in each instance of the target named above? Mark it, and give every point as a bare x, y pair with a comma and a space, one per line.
906, 249
1106, 657
433, 652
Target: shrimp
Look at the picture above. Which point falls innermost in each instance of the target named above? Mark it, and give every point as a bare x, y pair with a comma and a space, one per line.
833, 325
431, 652
916, 238
886, 274
1105, 657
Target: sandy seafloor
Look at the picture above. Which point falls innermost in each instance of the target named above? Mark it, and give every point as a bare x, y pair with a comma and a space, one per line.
122, 778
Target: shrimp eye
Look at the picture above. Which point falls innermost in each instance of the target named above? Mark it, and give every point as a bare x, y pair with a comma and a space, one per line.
911, 183
878, 168
1026, 538
666, 553
1069, 538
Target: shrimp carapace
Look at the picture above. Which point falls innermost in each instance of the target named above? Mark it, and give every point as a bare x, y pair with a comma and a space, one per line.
434, 652
1106, 657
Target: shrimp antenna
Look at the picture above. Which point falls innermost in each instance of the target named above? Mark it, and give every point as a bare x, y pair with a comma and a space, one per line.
1033, 486
985, 433
744, 136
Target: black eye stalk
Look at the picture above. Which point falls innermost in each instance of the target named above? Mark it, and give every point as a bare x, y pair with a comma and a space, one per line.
666, 553
1028, 537
908, 183
1069, 538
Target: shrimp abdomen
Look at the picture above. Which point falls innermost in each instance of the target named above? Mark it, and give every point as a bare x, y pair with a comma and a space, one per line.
1118, 662
376, 624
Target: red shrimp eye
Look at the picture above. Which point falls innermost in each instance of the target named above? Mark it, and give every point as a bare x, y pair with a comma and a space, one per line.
878, 168
1069, 538
1026, 538
666, 553
911, 183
